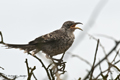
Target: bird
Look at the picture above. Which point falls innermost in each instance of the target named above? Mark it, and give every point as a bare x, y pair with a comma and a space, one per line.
53, 43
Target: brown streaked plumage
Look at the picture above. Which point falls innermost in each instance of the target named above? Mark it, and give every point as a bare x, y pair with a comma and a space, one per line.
52, 44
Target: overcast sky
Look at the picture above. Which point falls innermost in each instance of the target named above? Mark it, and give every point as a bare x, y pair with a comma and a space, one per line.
23, 20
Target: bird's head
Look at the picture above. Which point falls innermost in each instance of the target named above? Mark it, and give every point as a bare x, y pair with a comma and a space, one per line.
71, 25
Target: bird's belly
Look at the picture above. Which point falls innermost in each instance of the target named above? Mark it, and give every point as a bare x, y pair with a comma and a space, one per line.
56, 48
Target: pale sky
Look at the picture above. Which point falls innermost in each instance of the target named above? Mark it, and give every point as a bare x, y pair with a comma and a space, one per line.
23, 20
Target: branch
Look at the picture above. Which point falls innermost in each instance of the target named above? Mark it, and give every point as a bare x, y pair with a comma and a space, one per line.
1, 38
110, 66
30, 74
2, 68
109, 37
109, 53
117, 62
115, 66
28, 68
73, 55
92, 69
48, 74
52, 74
34, 76
6, 78
118, 77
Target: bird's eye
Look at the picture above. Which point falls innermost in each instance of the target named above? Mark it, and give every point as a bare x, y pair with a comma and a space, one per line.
68, 24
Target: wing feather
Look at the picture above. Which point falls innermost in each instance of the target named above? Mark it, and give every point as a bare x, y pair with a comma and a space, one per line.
53, 36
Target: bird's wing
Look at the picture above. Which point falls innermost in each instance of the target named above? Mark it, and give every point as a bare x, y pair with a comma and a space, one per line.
53, 36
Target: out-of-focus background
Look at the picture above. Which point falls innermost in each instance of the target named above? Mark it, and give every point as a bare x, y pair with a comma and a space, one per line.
23, 20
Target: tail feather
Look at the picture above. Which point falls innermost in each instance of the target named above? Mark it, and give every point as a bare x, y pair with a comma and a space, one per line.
26, 47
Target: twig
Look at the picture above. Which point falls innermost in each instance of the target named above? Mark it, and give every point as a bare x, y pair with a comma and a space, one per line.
2, 68
52, 75
115, 56
73, 55
115, 67
34, 76
58, 67
110, 65
100, 45
30, 74
49, 66
48, 74
6, 78
27, 66
111, 75
92, 69
118, 77
101, 73
1, 38
106, 55
117, 62
109, 37
110, 52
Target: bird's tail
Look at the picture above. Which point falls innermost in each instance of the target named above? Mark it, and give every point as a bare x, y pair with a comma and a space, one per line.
25, 47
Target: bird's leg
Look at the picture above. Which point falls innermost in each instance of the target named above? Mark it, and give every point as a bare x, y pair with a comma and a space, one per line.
62, 56
59, 62
61, 59
59, 65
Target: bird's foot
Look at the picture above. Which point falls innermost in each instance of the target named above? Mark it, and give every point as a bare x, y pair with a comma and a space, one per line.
59, 65
58, 62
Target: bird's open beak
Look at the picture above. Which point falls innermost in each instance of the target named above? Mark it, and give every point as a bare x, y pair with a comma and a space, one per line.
73, 26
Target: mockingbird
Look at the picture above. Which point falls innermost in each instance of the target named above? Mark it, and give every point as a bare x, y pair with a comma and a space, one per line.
53, 43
